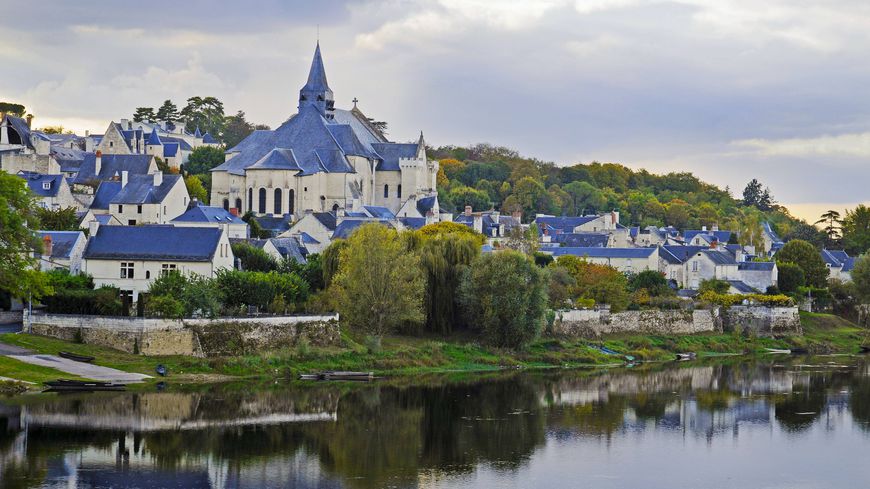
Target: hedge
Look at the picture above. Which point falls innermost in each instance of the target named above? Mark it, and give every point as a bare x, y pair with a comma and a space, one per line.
728, 300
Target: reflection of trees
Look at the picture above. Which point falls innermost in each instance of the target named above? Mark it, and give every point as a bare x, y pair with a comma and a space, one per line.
650, 406
799, 410
859, 401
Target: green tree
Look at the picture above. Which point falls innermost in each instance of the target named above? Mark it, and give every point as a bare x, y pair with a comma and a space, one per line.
806, 232
17, 242
677, 214
856, 230
861, 277
807, 257
380, 285
714, 285
205, 114
463, 196
653, 281
331, 259
831, 220
15, 109
443, 258
444, 228
144, 114
601, 283
530, 196
168, 112
505, 296
195, 188
236, 128
561, 288
203, 159
585, 198
253, 259
55, 130
64, 219
790, 277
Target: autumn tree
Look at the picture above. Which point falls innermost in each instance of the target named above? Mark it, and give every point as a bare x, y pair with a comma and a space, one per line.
603, 284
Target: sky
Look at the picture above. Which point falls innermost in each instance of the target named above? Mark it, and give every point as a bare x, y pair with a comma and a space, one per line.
728, 89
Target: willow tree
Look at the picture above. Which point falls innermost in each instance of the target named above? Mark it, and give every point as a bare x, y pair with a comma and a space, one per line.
443, 259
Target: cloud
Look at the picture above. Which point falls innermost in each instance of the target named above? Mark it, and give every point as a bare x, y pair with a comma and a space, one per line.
840, 145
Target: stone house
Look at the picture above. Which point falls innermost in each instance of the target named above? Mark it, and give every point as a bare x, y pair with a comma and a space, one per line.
314, 229
61, 250
598, 224
626, 260
759, 274
131, 257
52, 191
200, 215
161, 140
839, 264
149, 199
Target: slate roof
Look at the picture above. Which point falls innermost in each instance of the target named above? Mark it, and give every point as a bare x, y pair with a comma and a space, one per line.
839, 255
328, 219
205, 213
170, 150
605, 252
154, 242
275, 225
487, 223
390, 154
112, 165
849, 264
182, 143
719, 257
105, 193
208, 139
348, 226
103, 219
140, 189
582, 240
683, 253
62, 242
256, 243
757, 266
426, 204
379, 212
770, 232
721, 236
741, 286
413, 222
308, 239
153, 138
35, 182
69, 159
565, 224
289, 248
21, 127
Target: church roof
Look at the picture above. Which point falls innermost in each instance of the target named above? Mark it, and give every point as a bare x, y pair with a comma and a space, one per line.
317, 74
390, 154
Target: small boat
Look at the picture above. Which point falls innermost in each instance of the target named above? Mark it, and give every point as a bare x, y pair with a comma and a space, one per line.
799, 351
161, 370
338, 375
682, 357
605, 350
778, 351
64, 385
76, 357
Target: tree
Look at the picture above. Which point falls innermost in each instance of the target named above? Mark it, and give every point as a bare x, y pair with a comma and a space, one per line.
168, 112
806, 232
236, 128
195, 188
505, 296
856, 230
807, 257
585, 199
653, 281
380, 285
144, 114
18, 276
445, 228
205, 114
831, 220
15, 109
714, 285
561, 287
55, 130
861, 277
203, 159
755, 195
677, 214
58, 220
467, 196
444, 258
601, 283
253, 259
790, 278
530, 196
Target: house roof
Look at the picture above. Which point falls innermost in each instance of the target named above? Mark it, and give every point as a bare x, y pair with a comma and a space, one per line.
328, 219
721, 236
741, 286
565, 224
289, 248
426, 204
154, 242
379, 212
390, 154
346, 227
308, 239
140, 189
255, 242
112, 165
849, 264
413, 222
834, 258
103, 219
582, 240
605, 252
153, 138
36, 182
105, 193
182, 143
758, 266
719, 257
20, 126
62, 242
683, 253
170, 150
199, 212
207, 138
275, 225
768, 230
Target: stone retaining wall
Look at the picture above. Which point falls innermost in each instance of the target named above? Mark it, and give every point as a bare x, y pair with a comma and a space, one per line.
8, 317
762, 321
196, 337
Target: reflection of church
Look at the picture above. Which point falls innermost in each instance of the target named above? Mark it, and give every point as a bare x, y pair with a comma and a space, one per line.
322, 159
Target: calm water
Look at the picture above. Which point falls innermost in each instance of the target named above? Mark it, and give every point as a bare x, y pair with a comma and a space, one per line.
717, 425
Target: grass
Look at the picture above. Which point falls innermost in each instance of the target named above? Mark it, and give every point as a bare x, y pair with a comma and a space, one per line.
404, 355
18, 370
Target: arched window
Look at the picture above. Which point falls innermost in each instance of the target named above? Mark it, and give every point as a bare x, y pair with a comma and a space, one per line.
386, 191
226, 204
250, 199
399, 191
239, 205
278, 199
291, 205
262, 200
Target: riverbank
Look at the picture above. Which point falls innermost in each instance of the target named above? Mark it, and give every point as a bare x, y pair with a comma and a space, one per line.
400, 355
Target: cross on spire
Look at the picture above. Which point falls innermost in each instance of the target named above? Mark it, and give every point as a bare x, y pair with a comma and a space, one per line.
355, 100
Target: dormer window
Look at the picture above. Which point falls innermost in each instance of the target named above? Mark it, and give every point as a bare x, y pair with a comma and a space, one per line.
46, 185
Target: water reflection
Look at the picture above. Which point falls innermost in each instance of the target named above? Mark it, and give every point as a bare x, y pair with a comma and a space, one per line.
605, 429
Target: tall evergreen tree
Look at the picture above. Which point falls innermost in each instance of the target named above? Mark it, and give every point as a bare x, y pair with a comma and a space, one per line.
168, 112
144, 114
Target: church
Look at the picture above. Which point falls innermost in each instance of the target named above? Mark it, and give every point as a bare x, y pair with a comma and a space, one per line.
325, 159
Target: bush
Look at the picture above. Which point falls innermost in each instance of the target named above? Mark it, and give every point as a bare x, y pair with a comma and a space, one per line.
727, 300
715, 286
237, 288
164, 306
104, 301
254, 259
790, 277
62, 280
196, 295
653, 281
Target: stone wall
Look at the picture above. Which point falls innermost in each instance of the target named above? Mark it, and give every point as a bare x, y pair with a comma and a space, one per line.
8, 317
196, 337
762, 321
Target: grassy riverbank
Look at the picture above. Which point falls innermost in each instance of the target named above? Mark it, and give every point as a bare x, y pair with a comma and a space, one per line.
407, 355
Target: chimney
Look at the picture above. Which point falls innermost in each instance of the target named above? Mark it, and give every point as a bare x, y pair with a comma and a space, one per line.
430, 217
477, 223
704, 228
29, 118
46, 245
158, 179
98, 164
87, 133
518, 215
234, 211
468, 210
124, 178
715, 227
93, 227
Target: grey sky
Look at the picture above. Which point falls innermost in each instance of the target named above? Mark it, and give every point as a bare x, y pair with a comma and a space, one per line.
728, 89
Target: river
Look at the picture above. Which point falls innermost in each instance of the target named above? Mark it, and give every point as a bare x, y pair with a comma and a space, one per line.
734, 423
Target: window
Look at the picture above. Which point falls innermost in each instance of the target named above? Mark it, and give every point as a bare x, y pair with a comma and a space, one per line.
127, 269
131, 222
239, 205
120, 208
262, 201
250, 198
164, 208
147, 274
46, 185
386, 191
111, 144
167, 268
694, 266
139, 209
279, 197
226, 204
335, 207
399, 191
291, 206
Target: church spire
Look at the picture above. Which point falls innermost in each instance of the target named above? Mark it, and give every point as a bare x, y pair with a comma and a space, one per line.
421, 147
316, 91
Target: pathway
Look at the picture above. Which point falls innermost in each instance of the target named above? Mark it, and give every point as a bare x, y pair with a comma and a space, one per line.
86, 370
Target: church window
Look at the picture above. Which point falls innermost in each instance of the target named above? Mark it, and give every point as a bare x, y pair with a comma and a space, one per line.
386, 191
250, 199
278, 199
399, 191
226, 204
291, 205
239, 205
262, 201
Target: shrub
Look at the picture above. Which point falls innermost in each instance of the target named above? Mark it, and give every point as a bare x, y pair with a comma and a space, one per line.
790, 277
727, 300
653, 281
715, 286
807, 257
104, 301
254, 259
164, 306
